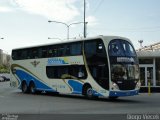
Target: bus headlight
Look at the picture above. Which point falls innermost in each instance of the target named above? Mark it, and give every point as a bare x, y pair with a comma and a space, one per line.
114, 86
138, 85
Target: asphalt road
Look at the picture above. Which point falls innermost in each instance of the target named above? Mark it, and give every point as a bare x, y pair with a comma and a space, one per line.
14, 101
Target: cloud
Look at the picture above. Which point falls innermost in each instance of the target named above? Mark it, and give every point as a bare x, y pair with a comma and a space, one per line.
92, 21
5, 9
60, 10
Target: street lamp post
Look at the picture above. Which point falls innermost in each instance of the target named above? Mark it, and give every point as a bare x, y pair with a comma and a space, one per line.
61, 39
55, 38
84, 19
67, 25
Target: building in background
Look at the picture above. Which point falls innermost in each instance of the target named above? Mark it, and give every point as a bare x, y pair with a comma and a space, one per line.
149, 62
4, 58
1, 56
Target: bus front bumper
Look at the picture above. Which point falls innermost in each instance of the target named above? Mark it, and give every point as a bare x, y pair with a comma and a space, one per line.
123, 93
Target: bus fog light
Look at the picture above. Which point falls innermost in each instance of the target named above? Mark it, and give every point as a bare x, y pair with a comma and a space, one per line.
138, 85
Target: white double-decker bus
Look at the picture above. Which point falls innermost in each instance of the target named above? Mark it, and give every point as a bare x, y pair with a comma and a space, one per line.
104, 66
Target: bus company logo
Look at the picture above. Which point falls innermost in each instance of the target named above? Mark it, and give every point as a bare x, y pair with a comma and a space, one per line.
57, 61
35, 63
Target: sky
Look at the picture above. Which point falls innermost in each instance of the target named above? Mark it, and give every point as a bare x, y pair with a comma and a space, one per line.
25, 22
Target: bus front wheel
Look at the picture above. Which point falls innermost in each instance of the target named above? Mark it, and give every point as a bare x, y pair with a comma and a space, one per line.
88, 92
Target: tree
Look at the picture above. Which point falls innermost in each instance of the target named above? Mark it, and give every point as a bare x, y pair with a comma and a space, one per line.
4, 69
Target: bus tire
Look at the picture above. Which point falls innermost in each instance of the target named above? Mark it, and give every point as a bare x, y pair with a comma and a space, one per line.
32, 88
24, 87
88, 91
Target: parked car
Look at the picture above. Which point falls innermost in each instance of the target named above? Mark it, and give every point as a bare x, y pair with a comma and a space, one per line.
1, 79
5, 78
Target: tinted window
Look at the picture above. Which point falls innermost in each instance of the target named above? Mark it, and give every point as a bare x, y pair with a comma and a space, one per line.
90, 48
67, 50
52, 51
121, 48
61, 50
66, 72
128, 49
14, 55
116, 48
24, 54
94, 47
34, 53
70, 49
76, 49
44, 52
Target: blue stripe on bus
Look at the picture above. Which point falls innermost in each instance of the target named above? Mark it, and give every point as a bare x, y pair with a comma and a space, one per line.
27, 77
95, 93
76, 86
123, 93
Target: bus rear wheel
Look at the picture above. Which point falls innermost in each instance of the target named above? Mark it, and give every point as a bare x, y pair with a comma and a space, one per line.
24, 87
32, 88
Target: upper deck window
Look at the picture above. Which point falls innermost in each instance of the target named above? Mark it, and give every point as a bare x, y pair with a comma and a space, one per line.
59, 50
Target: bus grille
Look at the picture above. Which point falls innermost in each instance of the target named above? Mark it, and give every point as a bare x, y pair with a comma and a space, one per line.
126, 85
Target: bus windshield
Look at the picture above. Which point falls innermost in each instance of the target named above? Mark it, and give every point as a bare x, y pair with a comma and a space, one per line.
121, 48
123, 63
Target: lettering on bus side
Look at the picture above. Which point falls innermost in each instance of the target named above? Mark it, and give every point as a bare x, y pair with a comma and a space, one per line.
57, 61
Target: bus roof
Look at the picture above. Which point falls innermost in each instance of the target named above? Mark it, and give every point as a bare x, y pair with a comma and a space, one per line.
74, 40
